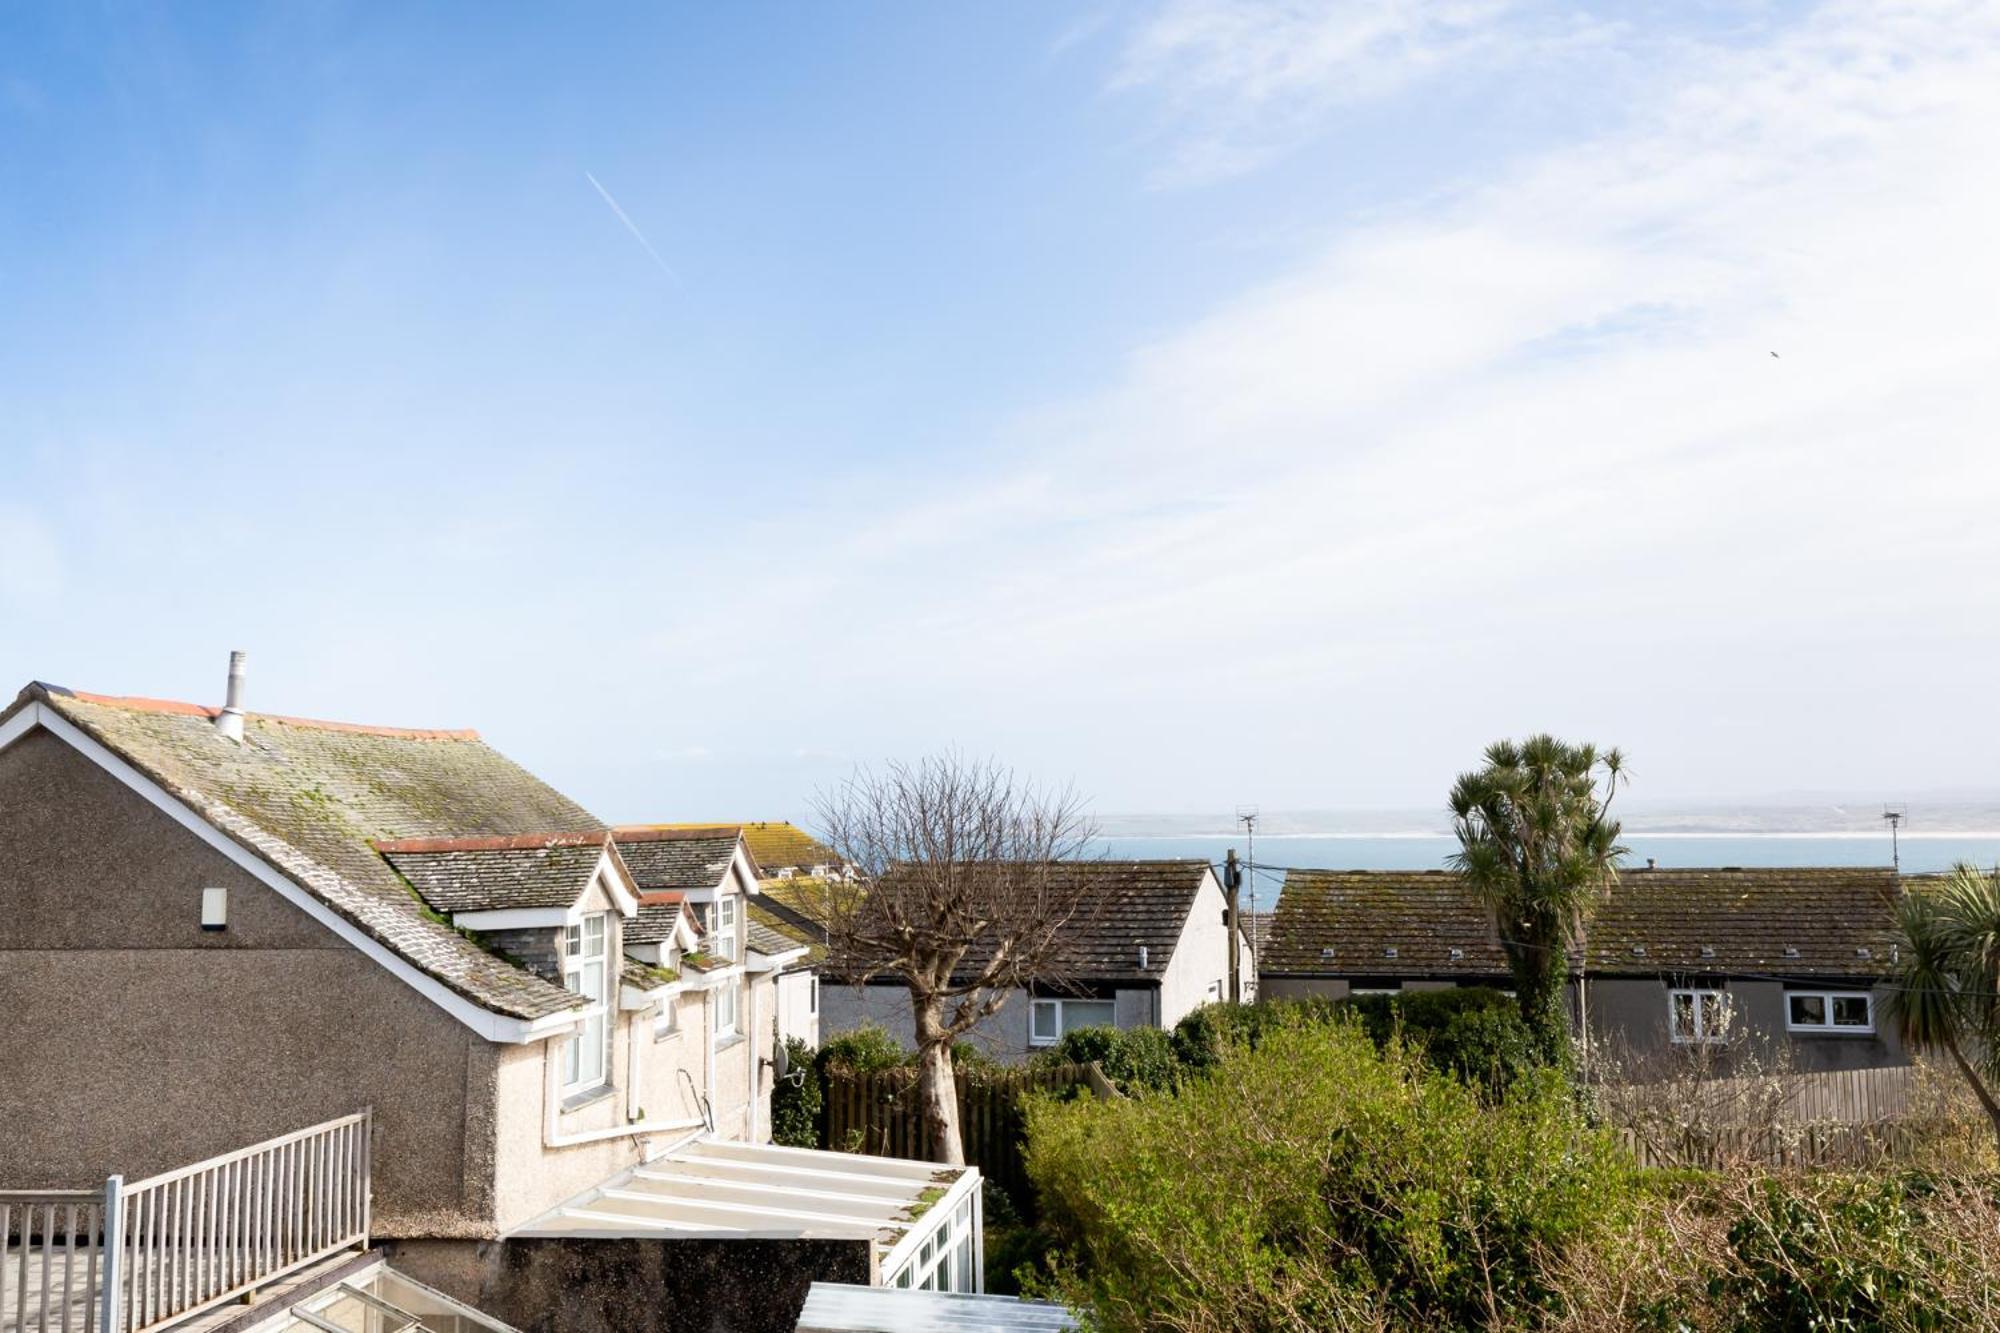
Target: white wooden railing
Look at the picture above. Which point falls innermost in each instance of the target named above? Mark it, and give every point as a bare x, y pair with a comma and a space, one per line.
140, 1255
49, 1259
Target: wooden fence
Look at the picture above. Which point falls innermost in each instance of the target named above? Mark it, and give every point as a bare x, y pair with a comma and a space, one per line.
880, 1112
1824, 1144
131, 1257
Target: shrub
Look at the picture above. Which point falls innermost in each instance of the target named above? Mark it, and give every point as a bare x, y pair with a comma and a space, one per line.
1473, 1032
865, 1049
1315, 1181
796, 1099
1136, 1060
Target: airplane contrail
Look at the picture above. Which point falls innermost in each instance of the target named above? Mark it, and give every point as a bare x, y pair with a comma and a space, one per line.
633, 227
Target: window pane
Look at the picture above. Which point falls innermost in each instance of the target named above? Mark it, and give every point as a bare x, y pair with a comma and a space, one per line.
593, 934
1850, 1011
1808, 1010
1714, 1014
593, 1048
1045, 1019
1088, 1014
1681, 1011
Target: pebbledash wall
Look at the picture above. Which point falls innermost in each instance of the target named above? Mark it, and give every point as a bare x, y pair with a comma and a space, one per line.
135, 1041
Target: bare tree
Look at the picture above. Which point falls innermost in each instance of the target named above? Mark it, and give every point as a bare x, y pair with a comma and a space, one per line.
961, 892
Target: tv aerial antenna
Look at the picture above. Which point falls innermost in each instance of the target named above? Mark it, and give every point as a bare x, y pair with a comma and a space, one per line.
1246, 815
1893, 815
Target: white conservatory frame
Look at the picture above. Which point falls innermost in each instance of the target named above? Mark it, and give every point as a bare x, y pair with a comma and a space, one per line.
720, 1189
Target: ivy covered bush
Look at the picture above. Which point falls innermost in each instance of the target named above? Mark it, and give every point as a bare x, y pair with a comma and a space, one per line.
796, 1099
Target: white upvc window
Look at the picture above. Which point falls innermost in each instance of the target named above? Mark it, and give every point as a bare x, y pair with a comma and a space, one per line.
725, 928
1048, 1020
1829, 1011
725, 1010
667, 1022
1698, 1017
587, 972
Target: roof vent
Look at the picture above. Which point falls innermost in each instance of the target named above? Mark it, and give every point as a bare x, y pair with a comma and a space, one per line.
1791, 951
1326, 951
1708, 951
1389, 952
230, 720
1864, 952
1142, 958
1638, 951
1457, 954
1652, 864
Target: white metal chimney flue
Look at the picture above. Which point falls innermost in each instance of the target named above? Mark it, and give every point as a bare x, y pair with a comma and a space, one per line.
230, 720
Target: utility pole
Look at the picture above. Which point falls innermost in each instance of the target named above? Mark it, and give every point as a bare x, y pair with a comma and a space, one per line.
1232, 885
1893, 817
1246, 815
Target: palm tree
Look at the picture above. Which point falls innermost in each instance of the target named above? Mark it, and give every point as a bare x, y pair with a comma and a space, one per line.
1946, 982
1538, 846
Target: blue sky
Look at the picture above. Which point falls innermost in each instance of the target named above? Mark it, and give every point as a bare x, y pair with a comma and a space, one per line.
1208, 403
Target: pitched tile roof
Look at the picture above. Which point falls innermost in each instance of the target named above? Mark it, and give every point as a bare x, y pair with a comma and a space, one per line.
486, 874
769, 940
309, 798
798, 934
1775, 921
1430, 920
660, 857
656, 918
1125, 905
774, 844
667, 859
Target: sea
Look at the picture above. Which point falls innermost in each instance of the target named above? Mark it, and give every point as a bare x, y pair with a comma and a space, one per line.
1919, 852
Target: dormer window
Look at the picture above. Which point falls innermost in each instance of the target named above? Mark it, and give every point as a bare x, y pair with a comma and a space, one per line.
725, 928
586, 949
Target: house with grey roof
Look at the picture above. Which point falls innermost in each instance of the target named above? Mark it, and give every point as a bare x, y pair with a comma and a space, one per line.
1672, 959
1151, 945
219, 925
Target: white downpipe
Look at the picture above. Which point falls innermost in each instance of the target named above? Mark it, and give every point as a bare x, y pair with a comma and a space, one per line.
552, 1135
708, 1055
755, 1082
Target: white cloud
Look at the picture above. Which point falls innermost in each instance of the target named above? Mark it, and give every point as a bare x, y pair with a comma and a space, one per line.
1241, 81
1527, 459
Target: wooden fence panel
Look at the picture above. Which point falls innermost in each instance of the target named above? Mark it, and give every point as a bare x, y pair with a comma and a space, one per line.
879, 1112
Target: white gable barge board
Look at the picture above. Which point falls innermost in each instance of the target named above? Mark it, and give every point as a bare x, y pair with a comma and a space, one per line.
491, 1026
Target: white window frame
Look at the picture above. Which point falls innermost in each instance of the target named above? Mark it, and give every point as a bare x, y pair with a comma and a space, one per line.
1700, 998
724, 1031
667, 1022
1826, 999
577, 959
726, 914
1063, 1025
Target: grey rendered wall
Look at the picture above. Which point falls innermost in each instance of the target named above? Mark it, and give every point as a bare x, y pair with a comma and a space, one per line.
135, 1041
1630, 1013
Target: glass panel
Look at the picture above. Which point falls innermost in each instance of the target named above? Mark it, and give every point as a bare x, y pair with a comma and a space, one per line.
1850, 1011
1714, 1015
1808, 1010
1045, 1019
592, 1046
593, 935
1681, 1013
1088, 1014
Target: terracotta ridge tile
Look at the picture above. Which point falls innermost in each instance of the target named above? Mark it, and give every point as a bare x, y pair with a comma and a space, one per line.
140, 704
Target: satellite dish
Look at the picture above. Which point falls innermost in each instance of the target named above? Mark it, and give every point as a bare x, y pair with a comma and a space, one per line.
781, 1061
